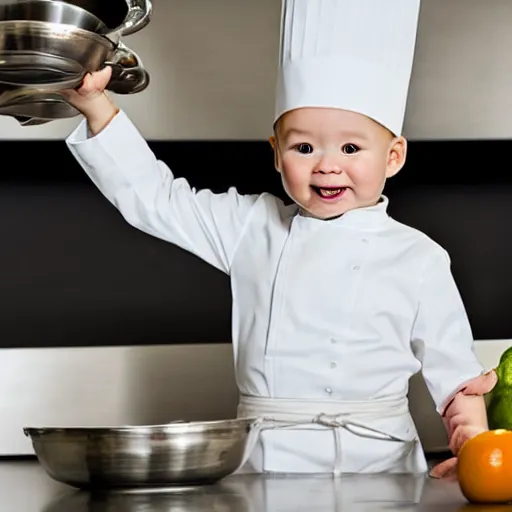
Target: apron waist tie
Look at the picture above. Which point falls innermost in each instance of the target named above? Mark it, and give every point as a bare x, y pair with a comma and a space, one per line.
279, 413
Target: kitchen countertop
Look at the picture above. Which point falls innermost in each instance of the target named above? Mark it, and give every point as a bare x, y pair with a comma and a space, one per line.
25, 487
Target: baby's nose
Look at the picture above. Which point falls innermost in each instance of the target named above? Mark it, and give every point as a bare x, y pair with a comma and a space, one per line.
331, 161
328, 165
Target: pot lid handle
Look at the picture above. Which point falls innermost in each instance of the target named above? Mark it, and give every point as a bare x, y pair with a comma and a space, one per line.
138, 16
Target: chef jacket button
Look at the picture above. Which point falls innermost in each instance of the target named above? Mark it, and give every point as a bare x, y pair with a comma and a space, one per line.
364, 240
357, 267
333, 340
328, 390
334, 364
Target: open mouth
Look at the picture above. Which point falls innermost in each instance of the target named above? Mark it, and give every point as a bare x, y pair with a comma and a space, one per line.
329, 193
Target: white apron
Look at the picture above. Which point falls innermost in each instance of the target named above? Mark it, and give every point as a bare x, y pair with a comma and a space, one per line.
306, 436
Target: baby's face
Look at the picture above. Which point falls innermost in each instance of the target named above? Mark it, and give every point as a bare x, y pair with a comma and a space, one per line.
333, 160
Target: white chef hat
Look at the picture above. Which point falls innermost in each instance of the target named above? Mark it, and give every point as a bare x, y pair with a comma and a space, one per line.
354, 55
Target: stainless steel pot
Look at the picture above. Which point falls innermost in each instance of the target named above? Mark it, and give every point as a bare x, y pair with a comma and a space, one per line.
113, 458
51, 12
47, 46
75, 13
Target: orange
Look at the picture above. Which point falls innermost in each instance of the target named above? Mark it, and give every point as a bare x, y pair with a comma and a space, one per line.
484, 467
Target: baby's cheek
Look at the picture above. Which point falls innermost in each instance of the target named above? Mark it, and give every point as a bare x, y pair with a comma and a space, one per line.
295, 179
369, 178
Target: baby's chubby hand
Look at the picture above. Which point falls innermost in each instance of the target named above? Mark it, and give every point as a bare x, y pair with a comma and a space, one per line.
90, 99
448, 468
464, 418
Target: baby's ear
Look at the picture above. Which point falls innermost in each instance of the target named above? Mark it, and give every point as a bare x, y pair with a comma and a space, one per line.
396, 156
273, 143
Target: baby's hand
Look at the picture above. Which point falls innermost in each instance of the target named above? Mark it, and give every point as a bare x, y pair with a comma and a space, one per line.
90, 99
448, 468
464, 418
463, 433
92, 88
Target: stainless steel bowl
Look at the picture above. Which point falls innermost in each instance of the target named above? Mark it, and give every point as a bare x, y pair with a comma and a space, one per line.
177, 454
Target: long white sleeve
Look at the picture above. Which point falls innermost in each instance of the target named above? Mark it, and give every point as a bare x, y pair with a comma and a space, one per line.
442, 337
144, 190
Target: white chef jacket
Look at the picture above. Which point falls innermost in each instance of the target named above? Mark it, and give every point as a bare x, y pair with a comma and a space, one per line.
330, 311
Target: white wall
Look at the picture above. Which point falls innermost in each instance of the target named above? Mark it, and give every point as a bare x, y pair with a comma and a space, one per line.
213, 71
462, 79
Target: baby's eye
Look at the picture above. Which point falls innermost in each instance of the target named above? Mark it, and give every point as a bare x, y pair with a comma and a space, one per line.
304, 148
350, 149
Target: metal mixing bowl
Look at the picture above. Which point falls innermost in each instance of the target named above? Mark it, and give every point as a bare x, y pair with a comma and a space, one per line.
177, 454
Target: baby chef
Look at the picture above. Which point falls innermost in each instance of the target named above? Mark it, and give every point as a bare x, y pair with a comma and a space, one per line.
335, 304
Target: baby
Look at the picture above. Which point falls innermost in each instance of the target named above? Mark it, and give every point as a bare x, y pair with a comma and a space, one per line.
333, 160
335, 304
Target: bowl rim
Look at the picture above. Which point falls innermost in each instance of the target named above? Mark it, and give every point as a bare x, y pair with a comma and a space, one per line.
175, 427
47, 28
59, 5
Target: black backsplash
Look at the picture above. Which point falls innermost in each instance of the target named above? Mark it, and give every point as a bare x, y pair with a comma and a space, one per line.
111, 12
74, 273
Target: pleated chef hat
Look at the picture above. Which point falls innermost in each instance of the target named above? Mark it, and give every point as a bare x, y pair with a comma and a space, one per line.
354, 55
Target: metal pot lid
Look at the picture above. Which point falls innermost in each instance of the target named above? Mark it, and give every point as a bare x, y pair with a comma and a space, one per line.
39, 58
44, 110
27, 68
34, 53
